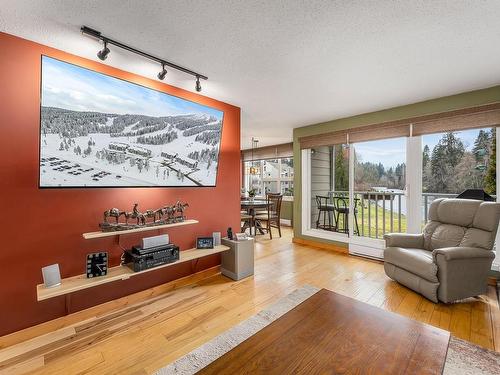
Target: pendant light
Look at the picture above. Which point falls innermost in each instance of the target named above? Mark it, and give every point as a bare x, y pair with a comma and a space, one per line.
253, 169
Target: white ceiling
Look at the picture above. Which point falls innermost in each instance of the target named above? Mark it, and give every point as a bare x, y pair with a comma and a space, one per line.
286, 63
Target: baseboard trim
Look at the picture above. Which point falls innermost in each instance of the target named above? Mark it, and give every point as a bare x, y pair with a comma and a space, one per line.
286, 222
321, 245
104, 308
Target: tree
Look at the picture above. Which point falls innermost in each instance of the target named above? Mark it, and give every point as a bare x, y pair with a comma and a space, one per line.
341, 168
446, 155
466, 175
490, 179
481, 145
426, 156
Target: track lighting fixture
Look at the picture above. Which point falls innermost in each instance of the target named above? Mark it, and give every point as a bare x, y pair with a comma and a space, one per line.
198, 84
163, 73
103, 54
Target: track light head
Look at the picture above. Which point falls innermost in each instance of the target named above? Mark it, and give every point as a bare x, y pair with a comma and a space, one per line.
163, 73
198, 84
103, 54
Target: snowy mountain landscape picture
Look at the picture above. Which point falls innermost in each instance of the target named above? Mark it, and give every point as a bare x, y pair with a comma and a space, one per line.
101, 131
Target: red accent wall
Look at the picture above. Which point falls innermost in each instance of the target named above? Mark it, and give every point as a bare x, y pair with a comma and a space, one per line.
44, 226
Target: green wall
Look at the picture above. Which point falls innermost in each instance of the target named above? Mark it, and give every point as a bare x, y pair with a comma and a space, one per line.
443, 104
287, 210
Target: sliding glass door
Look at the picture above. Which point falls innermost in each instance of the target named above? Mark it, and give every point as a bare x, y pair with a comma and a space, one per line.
379, 191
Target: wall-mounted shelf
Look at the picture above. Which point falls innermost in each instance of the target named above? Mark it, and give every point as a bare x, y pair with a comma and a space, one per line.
80, 282
92, 235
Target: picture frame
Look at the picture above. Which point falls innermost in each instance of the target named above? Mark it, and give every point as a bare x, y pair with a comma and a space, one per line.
205, 243
121, 140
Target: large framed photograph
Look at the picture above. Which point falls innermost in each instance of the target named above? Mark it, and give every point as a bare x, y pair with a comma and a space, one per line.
101, 131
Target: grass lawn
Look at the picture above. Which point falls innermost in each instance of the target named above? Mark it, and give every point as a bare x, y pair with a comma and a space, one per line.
377, 216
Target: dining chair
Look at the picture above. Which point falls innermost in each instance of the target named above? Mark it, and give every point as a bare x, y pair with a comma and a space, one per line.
341, 207
327, 209
273, 216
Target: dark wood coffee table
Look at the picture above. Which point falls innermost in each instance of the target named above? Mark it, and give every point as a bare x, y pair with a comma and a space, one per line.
332, 334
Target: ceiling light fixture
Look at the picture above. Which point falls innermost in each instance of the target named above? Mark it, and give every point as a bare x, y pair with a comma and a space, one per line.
253, 169
103, 54
163, 73
198, 84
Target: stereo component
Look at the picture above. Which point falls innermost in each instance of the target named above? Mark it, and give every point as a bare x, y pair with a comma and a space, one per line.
149, 242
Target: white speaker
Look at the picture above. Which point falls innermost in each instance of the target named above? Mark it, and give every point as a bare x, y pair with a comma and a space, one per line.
155, 241
216, 236
51, 275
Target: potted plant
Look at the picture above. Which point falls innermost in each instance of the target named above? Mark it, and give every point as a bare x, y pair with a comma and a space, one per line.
251, 193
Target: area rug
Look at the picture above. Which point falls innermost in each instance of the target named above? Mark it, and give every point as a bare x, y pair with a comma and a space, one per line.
463, 358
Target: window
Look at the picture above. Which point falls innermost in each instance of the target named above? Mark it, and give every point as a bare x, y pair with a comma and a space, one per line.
253, 177
269, 176
456, 161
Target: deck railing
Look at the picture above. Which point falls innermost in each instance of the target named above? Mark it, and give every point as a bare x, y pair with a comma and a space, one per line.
380, 212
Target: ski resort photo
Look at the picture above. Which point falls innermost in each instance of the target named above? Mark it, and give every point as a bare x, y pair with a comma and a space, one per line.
100, 131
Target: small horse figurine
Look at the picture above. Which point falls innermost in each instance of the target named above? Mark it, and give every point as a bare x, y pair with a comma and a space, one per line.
150, 213
170, 212
135, 214
180, 208
113, 212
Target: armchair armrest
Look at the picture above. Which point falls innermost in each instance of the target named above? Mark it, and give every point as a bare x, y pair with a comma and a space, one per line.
415, 241
452, 253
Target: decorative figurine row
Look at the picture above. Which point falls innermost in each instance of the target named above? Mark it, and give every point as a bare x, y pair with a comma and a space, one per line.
148, 218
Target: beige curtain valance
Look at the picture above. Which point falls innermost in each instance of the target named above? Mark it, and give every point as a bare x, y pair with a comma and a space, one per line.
468, 118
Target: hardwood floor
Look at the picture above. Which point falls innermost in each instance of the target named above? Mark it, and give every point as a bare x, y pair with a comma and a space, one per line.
139, 334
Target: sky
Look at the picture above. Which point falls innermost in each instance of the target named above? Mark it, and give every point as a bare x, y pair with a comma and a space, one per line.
391, 152
71, 87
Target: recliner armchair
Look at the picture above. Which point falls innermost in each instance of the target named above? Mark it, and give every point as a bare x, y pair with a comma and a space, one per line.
451, 259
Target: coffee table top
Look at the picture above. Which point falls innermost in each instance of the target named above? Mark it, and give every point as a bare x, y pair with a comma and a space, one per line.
329, 333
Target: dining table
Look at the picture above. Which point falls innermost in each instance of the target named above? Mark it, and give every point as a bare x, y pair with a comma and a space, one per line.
251, 206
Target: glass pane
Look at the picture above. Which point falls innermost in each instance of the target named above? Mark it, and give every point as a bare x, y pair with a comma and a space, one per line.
287, 168
270, 187
253, 181
287, 188
379, 187
270, 168
329, 179
456, 161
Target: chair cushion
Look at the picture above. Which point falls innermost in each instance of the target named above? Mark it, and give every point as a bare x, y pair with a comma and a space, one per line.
487, 216
477, 238
417, 261
447, 235
454, 211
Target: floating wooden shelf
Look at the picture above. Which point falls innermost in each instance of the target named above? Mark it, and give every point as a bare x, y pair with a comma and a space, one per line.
75, 283
91, 235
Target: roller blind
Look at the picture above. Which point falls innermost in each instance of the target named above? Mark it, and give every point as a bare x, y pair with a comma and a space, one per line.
380, 131
269, 152
483, 116
459, 122
327, 139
